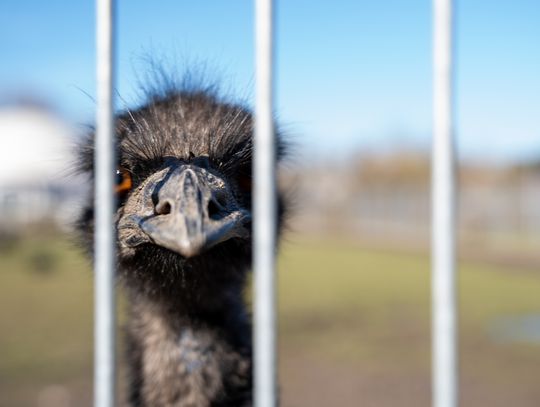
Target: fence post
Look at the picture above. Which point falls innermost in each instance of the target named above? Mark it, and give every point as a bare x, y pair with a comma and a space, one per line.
104, 204
264, 212
444, 326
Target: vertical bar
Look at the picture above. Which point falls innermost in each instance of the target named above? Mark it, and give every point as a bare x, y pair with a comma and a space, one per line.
104, 297
445, 386
265, 212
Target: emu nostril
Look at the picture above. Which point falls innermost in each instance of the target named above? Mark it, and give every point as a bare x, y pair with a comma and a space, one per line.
213, 210
163, 208
221, 198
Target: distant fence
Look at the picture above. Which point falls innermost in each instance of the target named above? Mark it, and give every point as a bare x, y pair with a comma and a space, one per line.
402, 210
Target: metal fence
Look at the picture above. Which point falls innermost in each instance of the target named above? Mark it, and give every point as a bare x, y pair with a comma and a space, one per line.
265, 212
444, 325
104, 245
445, 392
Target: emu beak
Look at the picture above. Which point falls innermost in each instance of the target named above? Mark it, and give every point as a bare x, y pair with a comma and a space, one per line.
193, 211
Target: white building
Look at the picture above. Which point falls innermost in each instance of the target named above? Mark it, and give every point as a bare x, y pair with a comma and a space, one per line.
36, 157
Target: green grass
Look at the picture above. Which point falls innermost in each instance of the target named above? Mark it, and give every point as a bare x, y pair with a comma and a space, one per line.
350, 302
45, 318
338, 303
372, 308
339, 278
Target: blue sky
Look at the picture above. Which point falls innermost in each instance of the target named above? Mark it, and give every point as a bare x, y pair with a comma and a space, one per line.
351, 75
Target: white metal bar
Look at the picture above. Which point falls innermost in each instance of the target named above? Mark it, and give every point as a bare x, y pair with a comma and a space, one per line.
444, 326
104, 253
265, 212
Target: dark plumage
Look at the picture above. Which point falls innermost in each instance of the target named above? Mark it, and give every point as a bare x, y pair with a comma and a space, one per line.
184, 247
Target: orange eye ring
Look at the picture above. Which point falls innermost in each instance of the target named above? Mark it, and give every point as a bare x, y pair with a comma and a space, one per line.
124, 182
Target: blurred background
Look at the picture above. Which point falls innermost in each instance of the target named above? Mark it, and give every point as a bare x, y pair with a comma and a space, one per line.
354, 98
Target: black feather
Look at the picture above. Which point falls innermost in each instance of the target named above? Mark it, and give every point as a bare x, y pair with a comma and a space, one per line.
189, 332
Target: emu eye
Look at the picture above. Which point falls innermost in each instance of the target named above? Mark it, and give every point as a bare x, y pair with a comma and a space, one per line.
123, 181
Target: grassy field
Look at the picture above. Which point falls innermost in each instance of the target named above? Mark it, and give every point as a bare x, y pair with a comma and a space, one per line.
354, 328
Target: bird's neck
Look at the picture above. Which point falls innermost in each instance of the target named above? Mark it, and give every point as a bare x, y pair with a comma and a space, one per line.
189, 351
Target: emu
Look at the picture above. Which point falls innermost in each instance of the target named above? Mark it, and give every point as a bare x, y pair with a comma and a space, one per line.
184, 247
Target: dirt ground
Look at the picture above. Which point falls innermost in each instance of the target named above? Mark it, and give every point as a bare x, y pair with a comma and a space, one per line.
354, 328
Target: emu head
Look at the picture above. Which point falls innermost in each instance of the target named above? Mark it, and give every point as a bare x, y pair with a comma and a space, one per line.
184, 190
